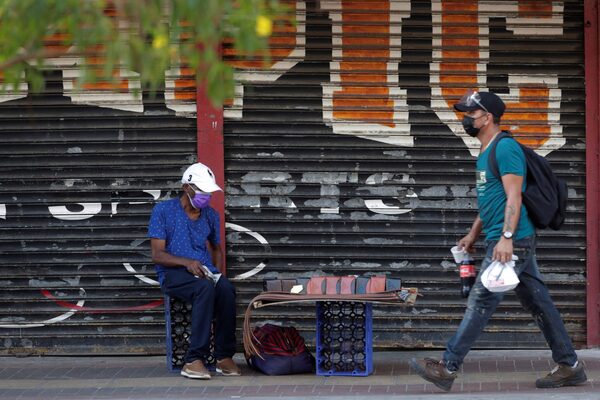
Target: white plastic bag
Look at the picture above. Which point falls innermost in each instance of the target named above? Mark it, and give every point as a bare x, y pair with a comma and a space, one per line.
500, 277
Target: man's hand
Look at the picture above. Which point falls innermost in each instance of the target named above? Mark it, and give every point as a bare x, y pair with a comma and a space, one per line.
503, 251
467, 243
195, 268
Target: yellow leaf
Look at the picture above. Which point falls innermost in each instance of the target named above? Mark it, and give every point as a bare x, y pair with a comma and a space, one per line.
160, 41
264, 26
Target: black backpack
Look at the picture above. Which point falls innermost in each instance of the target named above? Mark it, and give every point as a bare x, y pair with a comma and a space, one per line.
546, 195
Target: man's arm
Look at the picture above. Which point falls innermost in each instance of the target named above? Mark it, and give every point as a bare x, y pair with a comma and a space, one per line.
512, 187
216, 256
469, 240
162, 257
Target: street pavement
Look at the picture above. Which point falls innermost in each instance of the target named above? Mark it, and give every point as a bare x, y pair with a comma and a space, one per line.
498, 375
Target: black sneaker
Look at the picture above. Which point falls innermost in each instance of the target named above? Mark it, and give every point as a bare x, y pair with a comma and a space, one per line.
435, 372
562, 375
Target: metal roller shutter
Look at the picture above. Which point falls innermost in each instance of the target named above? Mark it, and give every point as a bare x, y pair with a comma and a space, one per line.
344, 155
79, 175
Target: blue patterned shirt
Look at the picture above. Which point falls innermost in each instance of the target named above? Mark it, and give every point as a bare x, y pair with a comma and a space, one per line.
184, 237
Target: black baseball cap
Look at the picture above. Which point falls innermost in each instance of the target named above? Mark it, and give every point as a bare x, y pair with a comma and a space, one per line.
485, 101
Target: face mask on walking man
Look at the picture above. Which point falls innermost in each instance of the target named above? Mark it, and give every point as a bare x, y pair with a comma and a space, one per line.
508, 231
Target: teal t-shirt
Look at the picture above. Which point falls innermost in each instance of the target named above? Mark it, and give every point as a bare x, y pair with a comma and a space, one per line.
490, 192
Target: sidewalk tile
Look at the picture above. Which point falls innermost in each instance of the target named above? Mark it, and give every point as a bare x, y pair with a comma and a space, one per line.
490, 387
231, 391
505, 366
471, 387
379, 389
267, 389
12, 393
158, 391
509, 386
212, 390
523, 365
174, 390
103, 393
250, 390
287, 390
360, 389
123, 392
592, 364
401, 369
414, 388
542, 365
197, 391
471, 367
341, 389
142, 378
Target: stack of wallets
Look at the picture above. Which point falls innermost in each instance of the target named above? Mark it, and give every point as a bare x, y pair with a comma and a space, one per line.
349, 284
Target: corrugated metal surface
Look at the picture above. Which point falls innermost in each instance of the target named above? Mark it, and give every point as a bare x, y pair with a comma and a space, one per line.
79, 174
345, 157
342, 157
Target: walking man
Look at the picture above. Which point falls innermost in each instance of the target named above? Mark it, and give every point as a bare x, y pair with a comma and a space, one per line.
508, 230
185, 238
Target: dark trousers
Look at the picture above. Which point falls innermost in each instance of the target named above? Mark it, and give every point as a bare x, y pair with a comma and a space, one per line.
534, 297
208, 302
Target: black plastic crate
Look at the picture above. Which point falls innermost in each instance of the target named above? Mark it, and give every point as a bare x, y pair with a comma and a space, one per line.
178, 324
344, 338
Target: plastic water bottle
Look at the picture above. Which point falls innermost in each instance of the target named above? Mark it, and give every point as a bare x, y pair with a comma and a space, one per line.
467, 276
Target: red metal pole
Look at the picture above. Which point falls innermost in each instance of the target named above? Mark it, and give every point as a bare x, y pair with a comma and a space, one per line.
210, 150
592, 122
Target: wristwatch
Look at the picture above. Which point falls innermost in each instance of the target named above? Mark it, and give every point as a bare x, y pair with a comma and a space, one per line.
507, 235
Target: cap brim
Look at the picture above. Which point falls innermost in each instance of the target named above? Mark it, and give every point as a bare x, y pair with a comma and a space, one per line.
208, 187
464, 108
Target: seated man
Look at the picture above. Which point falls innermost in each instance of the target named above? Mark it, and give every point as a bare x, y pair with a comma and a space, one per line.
184, 234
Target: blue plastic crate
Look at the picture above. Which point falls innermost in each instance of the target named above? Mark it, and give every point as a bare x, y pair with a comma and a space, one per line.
178, 324
344, 338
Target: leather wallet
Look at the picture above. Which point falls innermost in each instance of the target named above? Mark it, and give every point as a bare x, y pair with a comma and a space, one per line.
332, 285
348, 284
316, 285
376, 284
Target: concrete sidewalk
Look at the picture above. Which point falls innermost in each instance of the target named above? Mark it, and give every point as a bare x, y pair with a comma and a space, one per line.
486, 374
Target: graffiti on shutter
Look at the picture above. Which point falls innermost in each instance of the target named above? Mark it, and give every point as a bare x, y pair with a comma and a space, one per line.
286, 49
461, 55
363, 97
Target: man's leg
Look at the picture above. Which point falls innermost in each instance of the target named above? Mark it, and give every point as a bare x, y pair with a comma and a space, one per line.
482, 303
480, 306
201, 294
535, 298
225, 313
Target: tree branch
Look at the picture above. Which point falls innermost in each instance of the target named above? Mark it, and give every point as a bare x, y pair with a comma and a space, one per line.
43, 54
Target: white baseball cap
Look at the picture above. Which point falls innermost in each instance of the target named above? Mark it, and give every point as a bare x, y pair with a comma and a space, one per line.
201, 176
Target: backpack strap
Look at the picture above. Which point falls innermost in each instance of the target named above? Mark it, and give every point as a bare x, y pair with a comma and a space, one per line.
492, 161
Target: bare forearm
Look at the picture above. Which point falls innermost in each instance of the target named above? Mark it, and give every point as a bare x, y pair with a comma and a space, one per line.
512, 212
168, 260
512, 187
217, 257
476, 228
